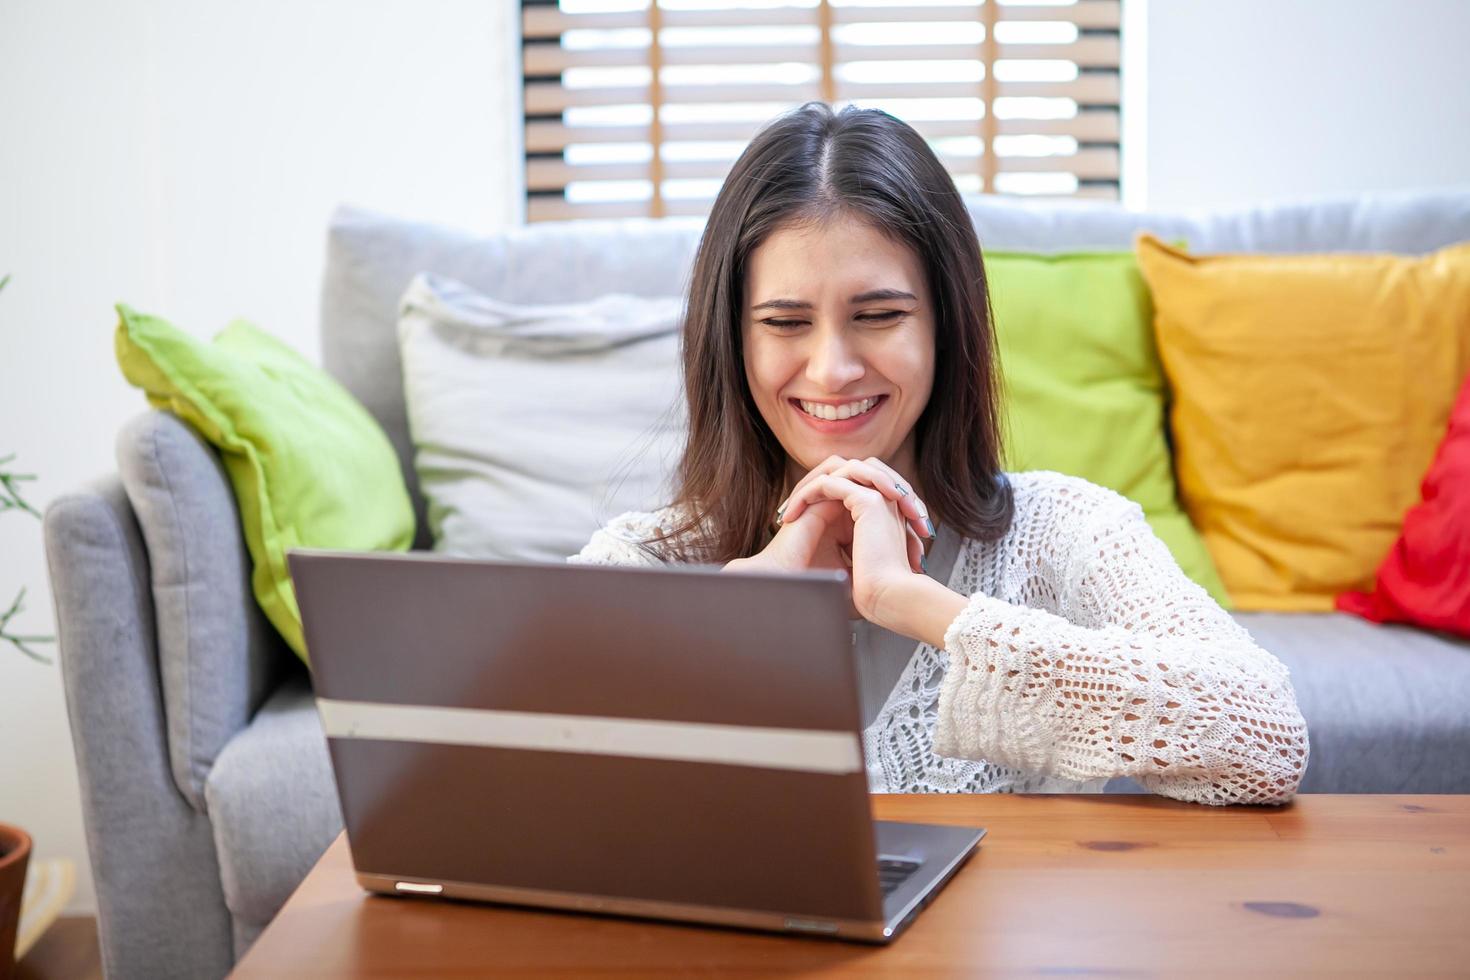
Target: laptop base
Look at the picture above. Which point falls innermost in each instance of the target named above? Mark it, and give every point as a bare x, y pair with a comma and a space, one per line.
941, 851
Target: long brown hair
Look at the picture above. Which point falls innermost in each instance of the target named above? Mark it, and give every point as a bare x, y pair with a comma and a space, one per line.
810, 165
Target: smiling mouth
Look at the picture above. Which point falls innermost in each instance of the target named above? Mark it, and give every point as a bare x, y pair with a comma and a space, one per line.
839, 413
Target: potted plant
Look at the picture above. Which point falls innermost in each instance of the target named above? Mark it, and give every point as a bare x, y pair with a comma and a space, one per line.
15, 844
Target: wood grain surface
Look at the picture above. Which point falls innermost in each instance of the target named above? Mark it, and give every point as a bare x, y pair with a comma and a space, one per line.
1106, 885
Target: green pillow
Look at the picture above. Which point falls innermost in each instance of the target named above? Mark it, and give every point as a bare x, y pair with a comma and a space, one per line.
310, 467
1084, 389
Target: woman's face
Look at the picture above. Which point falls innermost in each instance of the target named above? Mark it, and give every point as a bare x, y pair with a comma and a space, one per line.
839, 342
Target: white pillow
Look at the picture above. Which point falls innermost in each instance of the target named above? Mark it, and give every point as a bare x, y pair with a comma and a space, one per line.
533, 425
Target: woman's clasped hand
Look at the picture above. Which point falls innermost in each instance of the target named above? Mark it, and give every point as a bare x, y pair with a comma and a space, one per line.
855, 515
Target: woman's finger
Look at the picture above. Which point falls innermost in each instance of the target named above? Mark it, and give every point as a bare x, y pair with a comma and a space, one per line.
854, 496
804, 536
859, 499
883, 477
879, 478
821, 469
927, 528
916, 549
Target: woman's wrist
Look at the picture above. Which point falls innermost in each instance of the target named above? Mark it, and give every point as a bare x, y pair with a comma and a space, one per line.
919, 608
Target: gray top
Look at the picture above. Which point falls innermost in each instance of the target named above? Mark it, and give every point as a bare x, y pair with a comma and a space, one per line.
882, 654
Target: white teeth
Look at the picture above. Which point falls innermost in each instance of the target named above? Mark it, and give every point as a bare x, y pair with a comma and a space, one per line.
834, 412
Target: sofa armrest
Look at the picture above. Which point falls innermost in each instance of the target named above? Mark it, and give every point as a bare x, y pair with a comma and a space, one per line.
161, 910
219, 657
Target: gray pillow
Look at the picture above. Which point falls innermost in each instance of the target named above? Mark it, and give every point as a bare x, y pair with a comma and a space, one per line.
533, 425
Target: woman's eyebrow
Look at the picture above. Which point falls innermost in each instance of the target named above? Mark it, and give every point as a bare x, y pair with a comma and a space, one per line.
867, 297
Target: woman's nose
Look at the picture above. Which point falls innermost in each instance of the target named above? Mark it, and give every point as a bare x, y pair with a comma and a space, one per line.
832, 363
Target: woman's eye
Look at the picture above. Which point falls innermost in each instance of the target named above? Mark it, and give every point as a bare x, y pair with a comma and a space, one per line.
886, 316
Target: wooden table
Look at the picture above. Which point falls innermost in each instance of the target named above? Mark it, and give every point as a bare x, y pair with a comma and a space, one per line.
1062, 885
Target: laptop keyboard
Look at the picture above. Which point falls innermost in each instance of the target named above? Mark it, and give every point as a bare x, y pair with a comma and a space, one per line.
893, 871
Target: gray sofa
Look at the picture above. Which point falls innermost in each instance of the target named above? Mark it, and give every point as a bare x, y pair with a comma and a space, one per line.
204, 773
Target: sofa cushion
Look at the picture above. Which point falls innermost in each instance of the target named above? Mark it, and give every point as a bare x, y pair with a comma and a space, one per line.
1084, 389
371, 259
273, 805
217, 654
1425, 579
1310, 393
1386, 706
533, 426
309, 466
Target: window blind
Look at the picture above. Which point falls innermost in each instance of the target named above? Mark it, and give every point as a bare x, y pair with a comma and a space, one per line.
639, 108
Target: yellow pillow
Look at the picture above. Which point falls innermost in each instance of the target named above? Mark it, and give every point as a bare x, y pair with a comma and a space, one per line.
1309, 394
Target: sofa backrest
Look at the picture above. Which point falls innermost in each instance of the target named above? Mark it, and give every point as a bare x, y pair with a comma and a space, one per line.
371, 259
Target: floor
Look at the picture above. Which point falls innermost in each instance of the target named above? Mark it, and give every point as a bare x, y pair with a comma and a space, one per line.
68, 951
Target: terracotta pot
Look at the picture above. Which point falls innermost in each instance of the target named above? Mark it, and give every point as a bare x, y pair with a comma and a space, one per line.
15, 853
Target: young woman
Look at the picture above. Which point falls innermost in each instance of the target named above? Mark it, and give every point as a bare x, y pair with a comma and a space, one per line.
840, 374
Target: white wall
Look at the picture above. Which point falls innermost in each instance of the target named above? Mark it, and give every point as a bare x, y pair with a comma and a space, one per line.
1253, 100
184, 157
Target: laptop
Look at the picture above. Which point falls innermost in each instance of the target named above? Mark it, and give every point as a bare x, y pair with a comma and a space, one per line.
671, 743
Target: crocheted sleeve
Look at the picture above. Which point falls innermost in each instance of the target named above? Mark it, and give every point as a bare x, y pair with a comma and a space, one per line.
1139, 672
622, 541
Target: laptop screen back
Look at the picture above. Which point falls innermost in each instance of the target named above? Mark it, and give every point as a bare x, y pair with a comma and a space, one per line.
673, 735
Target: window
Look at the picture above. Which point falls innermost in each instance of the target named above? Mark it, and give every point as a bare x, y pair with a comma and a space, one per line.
640, 108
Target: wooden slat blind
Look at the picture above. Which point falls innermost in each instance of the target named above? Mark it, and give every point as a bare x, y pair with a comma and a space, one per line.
639, 107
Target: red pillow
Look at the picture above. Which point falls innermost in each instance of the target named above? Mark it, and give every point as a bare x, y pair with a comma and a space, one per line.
1425, 580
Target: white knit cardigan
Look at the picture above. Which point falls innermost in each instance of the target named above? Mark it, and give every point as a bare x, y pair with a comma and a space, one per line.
1084, 653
